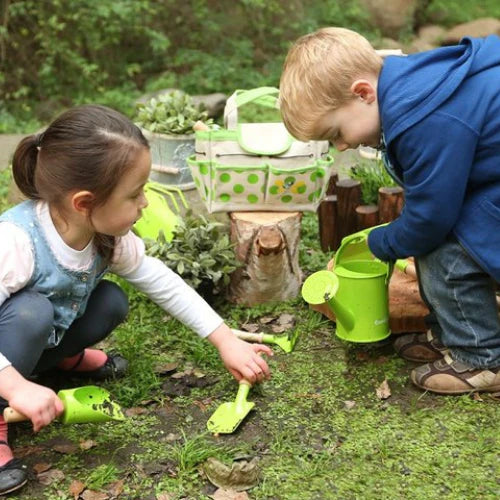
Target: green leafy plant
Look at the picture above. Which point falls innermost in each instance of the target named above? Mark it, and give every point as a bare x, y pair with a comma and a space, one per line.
372, 176
199, 252
170, 113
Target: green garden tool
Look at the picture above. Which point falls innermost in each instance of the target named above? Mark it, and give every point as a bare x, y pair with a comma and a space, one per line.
228, 416
82, 405
158, 215
286, 342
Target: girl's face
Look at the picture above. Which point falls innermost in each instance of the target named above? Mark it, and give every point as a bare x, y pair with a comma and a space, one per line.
123, 208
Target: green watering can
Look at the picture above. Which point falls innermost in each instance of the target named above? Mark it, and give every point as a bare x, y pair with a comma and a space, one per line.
356, 290
87, 404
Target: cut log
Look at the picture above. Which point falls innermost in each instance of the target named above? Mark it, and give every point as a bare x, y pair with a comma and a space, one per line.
348, 198
267, 245
328, 224
366, 216
327, 218
390, 203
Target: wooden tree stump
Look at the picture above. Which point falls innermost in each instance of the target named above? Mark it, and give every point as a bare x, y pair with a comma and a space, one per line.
327, 218
348, 198
267, 244
390, 203
367, 216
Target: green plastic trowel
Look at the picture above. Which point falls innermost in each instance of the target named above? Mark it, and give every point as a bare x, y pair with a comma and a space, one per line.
228, 416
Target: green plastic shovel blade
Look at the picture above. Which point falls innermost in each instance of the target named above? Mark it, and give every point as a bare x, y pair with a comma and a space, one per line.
88, 404
228, 416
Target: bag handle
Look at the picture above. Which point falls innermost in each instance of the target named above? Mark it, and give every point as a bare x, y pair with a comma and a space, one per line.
265, 96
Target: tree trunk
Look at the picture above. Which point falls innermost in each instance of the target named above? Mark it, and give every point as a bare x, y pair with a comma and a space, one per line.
267, 245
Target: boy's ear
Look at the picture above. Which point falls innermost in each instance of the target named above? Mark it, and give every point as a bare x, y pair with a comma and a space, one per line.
82, 201
365, 90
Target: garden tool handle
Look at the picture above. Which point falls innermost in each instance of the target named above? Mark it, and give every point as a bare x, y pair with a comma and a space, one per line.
248, 336
407, 267
10, 415
199, 126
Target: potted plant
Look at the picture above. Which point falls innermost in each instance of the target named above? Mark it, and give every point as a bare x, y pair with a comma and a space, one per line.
167, 122
200, 252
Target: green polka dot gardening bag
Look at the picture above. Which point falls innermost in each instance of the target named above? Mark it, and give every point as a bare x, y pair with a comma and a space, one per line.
258, 166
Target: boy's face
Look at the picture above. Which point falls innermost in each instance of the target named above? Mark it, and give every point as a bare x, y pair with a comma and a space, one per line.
356, 123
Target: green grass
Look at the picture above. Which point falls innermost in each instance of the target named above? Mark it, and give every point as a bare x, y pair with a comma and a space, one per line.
309, 443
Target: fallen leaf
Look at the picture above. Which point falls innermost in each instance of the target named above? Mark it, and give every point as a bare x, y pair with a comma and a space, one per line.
66, 449
279, 328
163, 496
362, 356
287, 320
87, 444
41, 467
48, 477
75, 488
266, 319
136, 410
240, 476
171, 437
116, 488
166, 368
94, 495
349, 404
222, 494
24, 451
383, 390
250, 327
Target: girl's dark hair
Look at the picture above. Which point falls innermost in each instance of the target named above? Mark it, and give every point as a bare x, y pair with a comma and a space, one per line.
86, 148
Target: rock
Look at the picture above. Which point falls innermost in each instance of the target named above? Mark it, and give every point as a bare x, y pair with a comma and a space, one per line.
418, 45
389, 44
477, 28
431, 34
391, 17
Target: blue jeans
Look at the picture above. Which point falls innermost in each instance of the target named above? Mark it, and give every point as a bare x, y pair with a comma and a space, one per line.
462, 304
26, 321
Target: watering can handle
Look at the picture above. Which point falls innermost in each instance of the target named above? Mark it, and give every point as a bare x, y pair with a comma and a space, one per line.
10, 415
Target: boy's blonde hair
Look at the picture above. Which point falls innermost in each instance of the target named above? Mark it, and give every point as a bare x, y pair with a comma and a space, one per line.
317, 75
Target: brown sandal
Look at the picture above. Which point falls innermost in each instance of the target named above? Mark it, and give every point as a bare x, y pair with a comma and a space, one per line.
449, 376
419, 347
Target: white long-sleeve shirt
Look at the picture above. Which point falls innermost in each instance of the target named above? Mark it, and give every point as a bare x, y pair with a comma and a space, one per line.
147, 274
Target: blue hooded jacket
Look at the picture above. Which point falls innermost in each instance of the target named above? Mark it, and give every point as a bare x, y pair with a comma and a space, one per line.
440, 114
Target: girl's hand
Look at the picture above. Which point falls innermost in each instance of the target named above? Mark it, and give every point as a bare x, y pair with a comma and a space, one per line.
242, 359
40, 404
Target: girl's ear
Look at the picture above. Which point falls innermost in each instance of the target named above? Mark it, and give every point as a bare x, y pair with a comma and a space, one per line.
364, 90
82, 201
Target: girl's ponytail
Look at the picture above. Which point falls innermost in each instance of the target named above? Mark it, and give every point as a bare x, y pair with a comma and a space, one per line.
24, 165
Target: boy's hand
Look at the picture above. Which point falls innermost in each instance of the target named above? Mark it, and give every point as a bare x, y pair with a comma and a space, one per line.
242, 359
40, 404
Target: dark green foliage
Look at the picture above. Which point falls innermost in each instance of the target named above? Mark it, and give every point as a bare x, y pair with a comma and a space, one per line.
55, 54
372, 176
199, 252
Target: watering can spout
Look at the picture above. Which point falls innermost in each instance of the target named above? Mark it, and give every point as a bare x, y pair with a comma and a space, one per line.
322, 287
344, 316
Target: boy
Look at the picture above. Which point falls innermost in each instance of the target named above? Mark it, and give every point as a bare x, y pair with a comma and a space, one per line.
436, 116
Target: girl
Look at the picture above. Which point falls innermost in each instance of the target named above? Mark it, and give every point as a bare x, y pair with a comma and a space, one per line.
84, 178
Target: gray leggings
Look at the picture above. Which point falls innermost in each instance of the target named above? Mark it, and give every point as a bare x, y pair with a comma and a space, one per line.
26, 321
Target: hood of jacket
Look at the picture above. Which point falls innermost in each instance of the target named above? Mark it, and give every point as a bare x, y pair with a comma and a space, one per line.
411, 87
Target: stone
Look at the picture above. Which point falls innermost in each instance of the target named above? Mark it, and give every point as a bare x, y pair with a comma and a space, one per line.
478, 28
